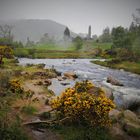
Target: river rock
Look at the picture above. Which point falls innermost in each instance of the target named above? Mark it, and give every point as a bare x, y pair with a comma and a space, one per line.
60, 78
70, 75
58, 73
108, 92
113, 81
39, 83
115, 114
47, 82
65, 84
130, 121
131, 116
64, 78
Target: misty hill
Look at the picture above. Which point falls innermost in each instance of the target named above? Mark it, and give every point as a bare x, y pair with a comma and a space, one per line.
35, 29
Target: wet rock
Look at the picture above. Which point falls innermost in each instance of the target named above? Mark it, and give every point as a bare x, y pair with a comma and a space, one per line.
113, 81
60, 78
47, 82
70, 75
131, 116
65, 84
64, 78
58, 73
122, 70
108, 93
39, 83
130, 122
115, 114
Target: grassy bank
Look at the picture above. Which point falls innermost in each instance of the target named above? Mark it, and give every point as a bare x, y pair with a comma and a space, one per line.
43, 53
126, 65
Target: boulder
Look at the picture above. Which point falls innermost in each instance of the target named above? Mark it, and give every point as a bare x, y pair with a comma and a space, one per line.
108, 93
115, 114
65, 84
70, 75
131, 123
114, 81
131, 116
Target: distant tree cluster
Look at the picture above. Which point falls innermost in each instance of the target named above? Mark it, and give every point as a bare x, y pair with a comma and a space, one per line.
78, 42
106, 35
125, 41
7, 38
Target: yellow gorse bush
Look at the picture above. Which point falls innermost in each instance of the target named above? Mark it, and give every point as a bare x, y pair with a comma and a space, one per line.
84, 103
15, 86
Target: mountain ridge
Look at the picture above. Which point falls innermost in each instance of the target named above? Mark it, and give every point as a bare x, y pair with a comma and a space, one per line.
34, 29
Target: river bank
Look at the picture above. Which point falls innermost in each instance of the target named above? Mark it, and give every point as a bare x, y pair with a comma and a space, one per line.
47, 83
133, 67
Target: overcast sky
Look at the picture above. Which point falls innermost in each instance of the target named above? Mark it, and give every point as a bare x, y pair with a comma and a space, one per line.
76, 14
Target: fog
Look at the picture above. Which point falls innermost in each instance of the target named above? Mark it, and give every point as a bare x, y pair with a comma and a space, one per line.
76, 14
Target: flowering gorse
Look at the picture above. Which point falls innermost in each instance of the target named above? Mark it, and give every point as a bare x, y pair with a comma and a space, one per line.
84, 103
15, 86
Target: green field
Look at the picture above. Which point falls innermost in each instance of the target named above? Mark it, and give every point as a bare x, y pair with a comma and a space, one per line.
56, 51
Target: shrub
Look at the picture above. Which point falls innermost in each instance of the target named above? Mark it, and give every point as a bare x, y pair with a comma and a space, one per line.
4, 83
4, 79
21, 52
12, 132
10, 128
84, 104
45, 115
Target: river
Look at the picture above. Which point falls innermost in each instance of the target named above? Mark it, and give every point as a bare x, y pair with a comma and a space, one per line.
85, 70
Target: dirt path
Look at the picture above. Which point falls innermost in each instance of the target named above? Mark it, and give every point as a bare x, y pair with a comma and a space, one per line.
40, 93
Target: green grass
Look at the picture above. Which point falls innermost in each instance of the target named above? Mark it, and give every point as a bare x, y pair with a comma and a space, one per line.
126, 65
57, 51
103, 46
54, 47
90, 45
134, 132
73, 132
29, 110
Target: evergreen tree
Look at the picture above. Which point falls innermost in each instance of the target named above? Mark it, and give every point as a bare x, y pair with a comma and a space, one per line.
67, 32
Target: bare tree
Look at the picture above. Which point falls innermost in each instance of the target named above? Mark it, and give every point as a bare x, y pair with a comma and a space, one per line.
137, 18
6, 32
